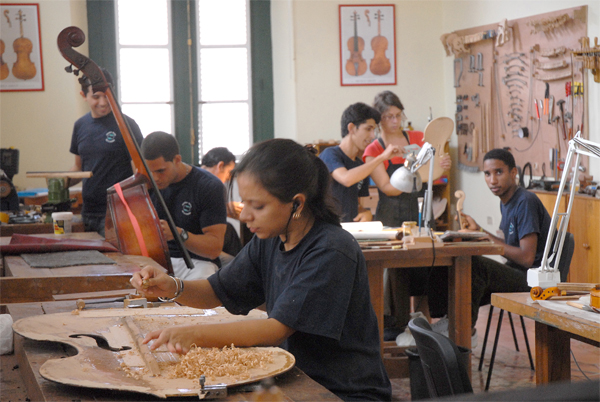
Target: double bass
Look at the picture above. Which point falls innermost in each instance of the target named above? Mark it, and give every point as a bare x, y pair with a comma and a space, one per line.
132, 223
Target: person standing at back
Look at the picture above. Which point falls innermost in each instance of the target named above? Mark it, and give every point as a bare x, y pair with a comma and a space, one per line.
98, 146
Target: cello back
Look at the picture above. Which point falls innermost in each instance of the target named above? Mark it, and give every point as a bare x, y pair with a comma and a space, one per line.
120, 228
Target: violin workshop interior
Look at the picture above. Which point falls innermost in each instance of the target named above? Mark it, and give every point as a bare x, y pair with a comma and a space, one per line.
472, 77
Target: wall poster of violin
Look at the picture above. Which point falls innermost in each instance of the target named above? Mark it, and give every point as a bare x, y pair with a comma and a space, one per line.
20, 48
367, 44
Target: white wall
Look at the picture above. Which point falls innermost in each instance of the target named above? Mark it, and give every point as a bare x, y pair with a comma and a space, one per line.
457, 15
309, 99
307, 49
39, 124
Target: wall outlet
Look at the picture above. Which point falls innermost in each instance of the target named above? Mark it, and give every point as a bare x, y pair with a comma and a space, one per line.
490, 221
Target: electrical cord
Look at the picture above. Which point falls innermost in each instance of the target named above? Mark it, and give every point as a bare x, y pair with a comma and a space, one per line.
577, 364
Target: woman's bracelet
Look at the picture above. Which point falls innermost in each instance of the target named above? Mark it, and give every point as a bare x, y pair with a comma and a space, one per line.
178, 292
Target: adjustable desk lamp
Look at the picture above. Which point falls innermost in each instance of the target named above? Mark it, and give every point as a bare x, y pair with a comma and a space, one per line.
546, 276
407, 179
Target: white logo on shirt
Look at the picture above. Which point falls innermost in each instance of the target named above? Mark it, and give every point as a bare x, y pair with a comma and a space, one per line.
186, 208
111, 136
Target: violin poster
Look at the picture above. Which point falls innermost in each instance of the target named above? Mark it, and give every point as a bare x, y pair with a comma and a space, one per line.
367, 44
20, 48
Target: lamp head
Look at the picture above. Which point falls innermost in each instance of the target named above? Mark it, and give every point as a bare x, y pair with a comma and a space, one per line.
405, 181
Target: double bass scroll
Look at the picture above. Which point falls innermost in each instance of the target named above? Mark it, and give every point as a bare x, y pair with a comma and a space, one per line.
132, 223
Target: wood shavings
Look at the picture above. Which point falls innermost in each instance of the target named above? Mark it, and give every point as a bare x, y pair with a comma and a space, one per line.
214, 362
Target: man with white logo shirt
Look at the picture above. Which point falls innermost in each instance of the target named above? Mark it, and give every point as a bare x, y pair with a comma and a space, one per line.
196, 201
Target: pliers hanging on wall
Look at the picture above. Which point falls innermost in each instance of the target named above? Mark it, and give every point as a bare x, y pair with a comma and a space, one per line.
547, 100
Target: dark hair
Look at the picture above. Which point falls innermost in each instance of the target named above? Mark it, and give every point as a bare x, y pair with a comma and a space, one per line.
285, 168
502, 155
159, 144
358, 113
86, 82
386, 99
216, 155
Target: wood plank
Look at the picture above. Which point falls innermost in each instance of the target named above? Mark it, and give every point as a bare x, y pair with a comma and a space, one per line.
27, 290
65, 174
138, 337
35, 228
94, 295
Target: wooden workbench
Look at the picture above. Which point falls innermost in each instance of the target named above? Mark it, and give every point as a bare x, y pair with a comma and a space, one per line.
553, 333
31, 354
455, 256
23, 284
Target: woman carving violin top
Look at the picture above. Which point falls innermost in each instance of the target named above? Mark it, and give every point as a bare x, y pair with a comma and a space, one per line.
309, 272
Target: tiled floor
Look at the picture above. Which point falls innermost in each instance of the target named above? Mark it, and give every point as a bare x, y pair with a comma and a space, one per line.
511, 368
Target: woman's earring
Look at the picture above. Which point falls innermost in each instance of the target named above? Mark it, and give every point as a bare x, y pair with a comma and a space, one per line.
297, 215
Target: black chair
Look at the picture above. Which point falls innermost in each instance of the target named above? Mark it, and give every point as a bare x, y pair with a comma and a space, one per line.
563, 267
445, 373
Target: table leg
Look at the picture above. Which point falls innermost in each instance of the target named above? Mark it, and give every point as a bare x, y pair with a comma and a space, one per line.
375, 273
459, 303
552, 354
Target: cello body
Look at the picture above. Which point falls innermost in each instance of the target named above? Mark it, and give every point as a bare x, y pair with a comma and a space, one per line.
119, 229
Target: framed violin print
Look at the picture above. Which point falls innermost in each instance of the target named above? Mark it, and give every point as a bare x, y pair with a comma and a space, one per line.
367, 44
20, 48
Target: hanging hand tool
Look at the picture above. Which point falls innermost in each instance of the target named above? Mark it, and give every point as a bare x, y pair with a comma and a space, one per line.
546, 99
458, 64
569, 115
560, 104
537, 109
551, 109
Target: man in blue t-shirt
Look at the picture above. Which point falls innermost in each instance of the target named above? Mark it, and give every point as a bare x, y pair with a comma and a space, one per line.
196, 201
99, 148
525, 224
350, 175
